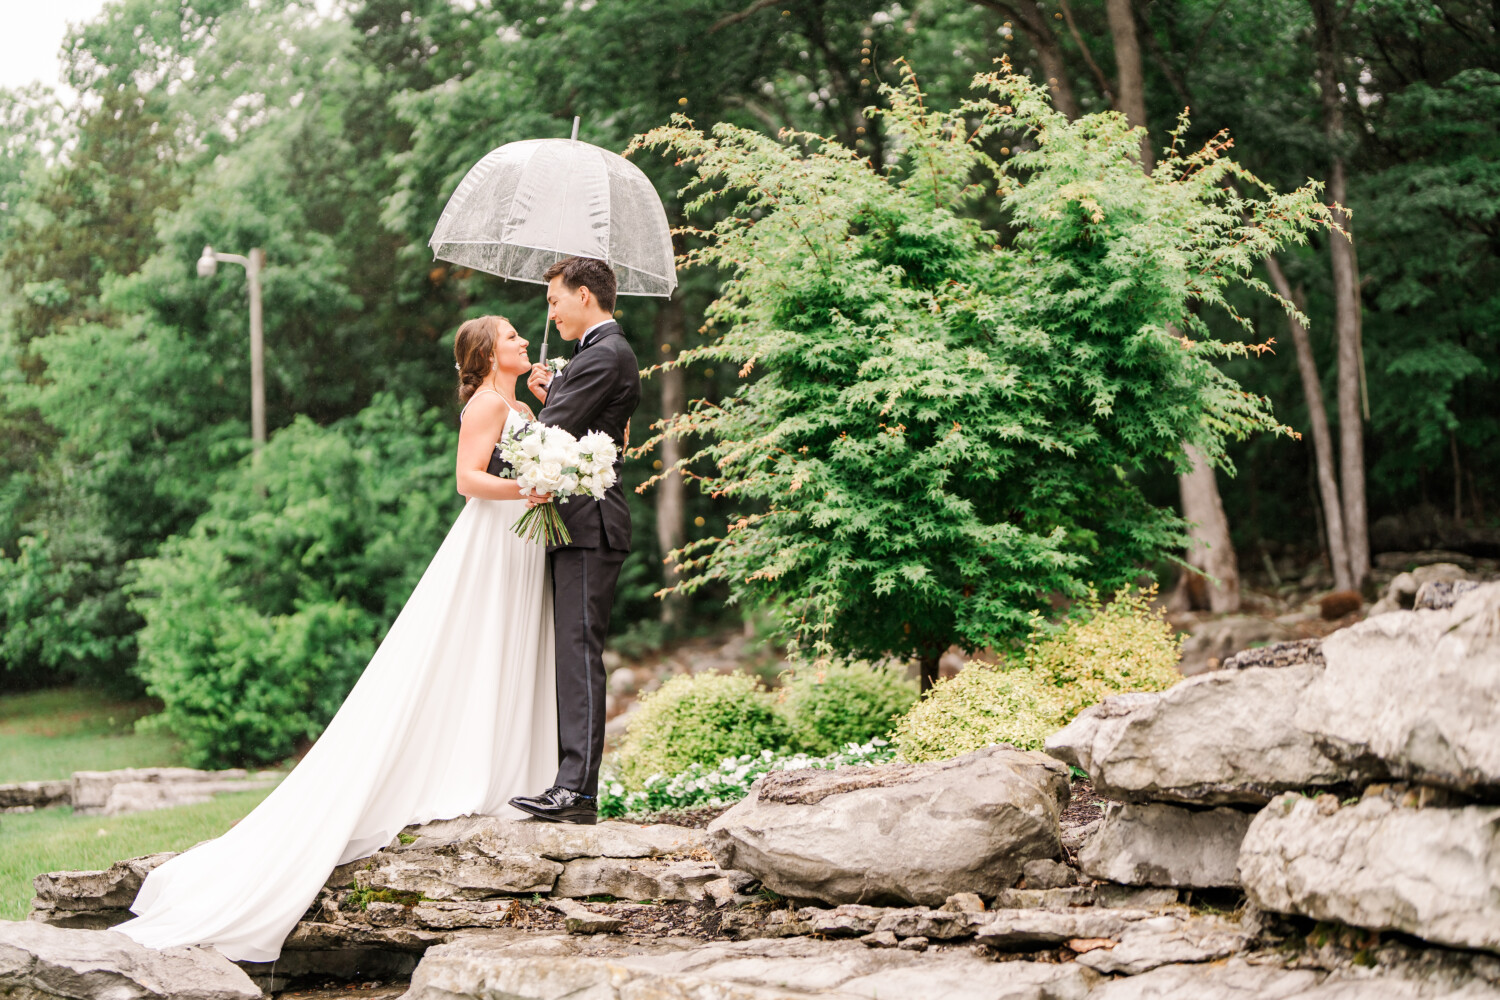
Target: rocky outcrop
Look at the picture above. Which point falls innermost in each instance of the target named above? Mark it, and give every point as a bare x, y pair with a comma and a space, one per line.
23, 796
1414, 695
913, 833
112, 793
1225, 738
91, 899
38, 962
499, 965
1156, 844
1401, 592
1381, 863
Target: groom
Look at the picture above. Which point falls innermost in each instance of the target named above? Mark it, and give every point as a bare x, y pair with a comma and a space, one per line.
597, 390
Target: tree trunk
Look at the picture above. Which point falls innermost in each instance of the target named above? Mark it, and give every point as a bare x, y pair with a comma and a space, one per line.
1131, 86
1211, 552
1346, 301
671, 508
1322, 438
1032, 20
929, 667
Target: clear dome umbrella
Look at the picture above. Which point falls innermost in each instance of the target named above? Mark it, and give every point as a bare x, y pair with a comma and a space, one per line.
529, 204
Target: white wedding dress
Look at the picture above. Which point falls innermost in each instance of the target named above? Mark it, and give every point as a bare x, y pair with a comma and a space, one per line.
455, 714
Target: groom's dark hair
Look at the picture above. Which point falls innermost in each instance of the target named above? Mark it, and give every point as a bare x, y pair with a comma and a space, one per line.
580, 271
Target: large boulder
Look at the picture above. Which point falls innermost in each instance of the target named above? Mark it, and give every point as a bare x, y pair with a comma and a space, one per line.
1223, 738
915, 833
39, 962
1415, 695
1401, 592
1166, 845
1382, 863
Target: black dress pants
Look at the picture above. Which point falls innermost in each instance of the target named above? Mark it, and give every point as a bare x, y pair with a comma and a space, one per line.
583, 591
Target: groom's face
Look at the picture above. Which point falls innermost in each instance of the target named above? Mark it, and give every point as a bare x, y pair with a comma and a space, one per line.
568, 308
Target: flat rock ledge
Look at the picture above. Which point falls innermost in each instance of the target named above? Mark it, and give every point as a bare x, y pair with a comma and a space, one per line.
899, 833
1384, 863
134, 789
38, 962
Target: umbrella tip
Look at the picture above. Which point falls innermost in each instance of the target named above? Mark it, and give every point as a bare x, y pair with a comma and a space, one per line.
576, 120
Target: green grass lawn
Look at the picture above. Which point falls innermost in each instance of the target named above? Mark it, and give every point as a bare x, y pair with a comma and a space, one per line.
56, 840
52, 733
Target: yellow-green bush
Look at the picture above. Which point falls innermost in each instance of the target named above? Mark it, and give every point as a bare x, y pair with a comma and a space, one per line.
831, 705
1123, 646
698, 719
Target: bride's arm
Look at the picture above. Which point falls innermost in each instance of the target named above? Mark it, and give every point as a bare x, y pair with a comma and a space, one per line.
481, 427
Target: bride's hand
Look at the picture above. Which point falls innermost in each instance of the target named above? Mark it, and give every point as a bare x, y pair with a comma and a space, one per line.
537, 499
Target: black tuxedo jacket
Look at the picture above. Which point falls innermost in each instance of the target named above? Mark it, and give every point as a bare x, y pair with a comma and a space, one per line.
597, 390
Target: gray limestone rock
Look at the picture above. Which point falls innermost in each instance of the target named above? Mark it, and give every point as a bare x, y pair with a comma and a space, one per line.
112, 793
1292, 653
39, 962
786, 969
1433, 873
23, 795
1415, 695
439, 874
1046, 899
1156, 844
558, 841
1223, 738
1160, 941
1235, 979
453, 914
636, 878
1038, 928
1132, 897
91, 899
1044, 873
1401, 593
579, 919
873, 835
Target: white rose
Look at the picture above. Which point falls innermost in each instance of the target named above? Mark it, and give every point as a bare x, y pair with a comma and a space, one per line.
549, 472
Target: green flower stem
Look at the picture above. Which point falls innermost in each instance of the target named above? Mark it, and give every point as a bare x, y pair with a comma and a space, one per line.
543, 523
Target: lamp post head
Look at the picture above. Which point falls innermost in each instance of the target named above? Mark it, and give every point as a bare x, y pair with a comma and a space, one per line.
208, 264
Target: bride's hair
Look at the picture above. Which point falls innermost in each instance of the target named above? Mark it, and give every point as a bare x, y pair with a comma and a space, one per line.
474, 352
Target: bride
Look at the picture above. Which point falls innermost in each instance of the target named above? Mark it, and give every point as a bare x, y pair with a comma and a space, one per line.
454, 714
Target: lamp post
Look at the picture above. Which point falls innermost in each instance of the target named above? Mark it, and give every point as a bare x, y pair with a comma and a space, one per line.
208, 264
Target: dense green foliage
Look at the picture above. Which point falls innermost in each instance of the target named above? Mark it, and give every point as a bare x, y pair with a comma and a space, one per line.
935, 429
332, 142
698, 719
260, 619
1122, 646
831, 705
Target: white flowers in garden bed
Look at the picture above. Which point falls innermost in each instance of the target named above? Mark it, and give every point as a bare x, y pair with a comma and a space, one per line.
725, 784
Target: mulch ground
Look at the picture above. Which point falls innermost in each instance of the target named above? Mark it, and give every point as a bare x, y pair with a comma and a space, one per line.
1084, 807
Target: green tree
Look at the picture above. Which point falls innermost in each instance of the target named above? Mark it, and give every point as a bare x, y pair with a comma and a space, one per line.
936, 431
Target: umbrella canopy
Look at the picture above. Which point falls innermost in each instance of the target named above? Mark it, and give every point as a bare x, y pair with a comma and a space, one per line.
529, 204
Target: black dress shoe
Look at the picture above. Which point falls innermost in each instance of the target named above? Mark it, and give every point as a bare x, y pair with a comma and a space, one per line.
560, 805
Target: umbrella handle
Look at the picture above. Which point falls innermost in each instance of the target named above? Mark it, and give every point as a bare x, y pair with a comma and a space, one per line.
542, 360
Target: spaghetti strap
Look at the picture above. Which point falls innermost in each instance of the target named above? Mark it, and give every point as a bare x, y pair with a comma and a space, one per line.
497, 392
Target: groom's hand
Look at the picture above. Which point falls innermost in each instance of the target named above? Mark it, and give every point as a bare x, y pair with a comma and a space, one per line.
538, 380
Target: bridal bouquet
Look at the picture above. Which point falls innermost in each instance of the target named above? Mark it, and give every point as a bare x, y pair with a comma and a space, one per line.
545, 459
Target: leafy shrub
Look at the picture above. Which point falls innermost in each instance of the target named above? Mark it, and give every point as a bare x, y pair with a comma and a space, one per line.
831, 706
1099, 651
1123, 646
981, 706
729, 781
698, 719
260, 619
